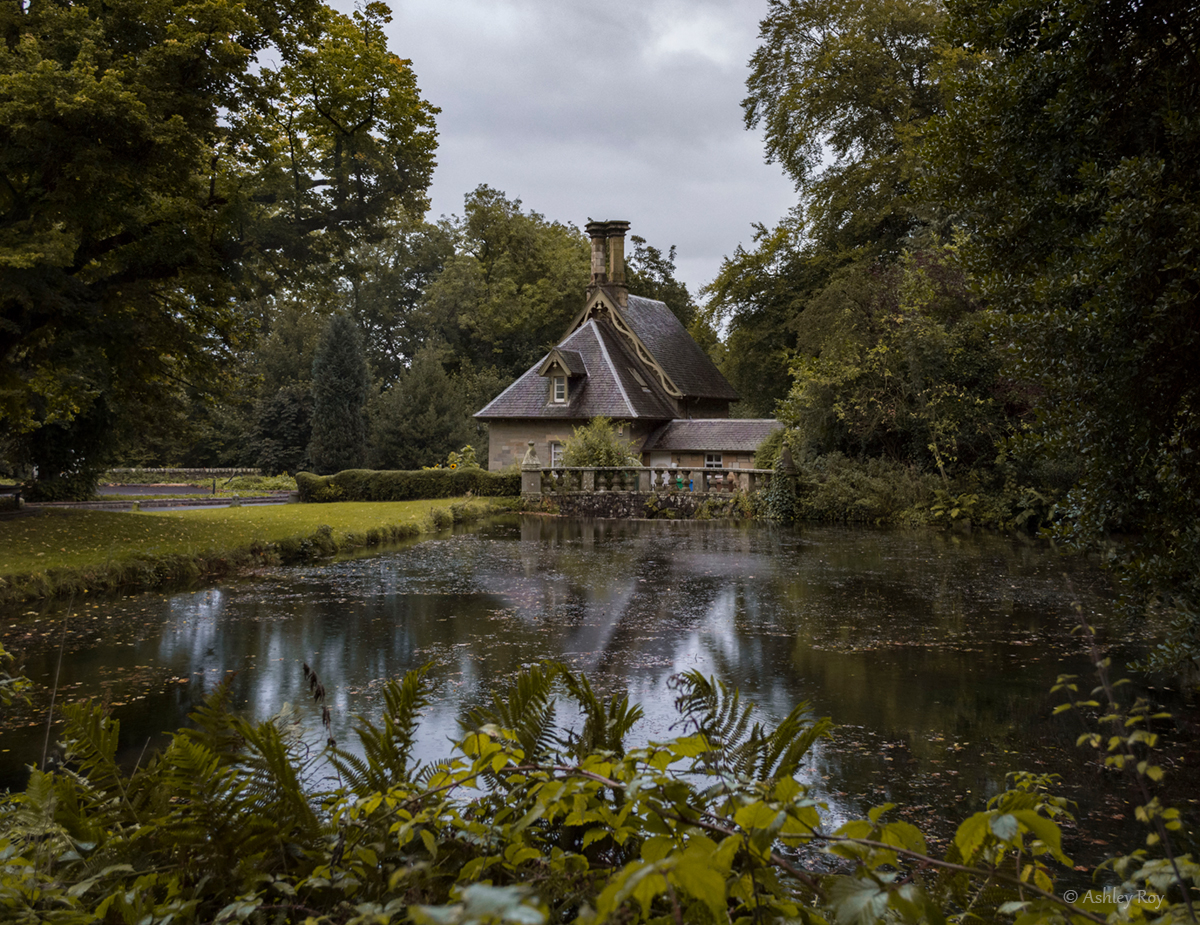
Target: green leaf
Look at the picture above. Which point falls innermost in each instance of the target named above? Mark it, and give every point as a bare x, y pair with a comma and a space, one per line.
971, 835
857, 901
693, 873
1004, 827
690, 746
757, 815
1045, 830
430, 843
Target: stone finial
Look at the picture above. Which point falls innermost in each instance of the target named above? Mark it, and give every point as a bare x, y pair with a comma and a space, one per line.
531, 460
786, 465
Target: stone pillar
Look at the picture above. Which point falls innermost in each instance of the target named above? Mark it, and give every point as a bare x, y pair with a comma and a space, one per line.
589, 480
645, 480
531, 475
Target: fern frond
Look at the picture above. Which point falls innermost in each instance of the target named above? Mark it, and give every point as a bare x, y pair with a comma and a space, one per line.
215, 724
271, 766
90, 741
387, 748
740, 746
205, 805
712, 708
35, 813
605, 724
431, 769
527, 710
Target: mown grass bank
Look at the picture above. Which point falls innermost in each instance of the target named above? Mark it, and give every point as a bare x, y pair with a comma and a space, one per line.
58, 553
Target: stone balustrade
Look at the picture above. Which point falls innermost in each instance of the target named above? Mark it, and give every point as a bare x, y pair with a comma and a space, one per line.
538, 481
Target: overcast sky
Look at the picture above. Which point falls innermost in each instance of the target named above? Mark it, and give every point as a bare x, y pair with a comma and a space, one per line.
609, 109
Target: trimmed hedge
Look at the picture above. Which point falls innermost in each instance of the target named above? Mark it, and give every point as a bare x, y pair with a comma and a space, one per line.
372, 485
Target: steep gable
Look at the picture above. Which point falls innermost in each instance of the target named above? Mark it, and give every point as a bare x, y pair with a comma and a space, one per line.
657, 338
610, 384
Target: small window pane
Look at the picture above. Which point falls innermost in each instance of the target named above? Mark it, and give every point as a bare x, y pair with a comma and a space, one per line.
556, 451
560, 388
712, 461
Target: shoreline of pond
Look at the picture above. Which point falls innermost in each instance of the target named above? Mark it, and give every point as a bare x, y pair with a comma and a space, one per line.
829, 615
146, 572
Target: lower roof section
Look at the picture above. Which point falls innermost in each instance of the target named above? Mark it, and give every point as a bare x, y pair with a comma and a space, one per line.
712, 435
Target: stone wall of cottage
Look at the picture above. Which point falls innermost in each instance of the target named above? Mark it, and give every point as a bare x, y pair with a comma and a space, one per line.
686, 460
508, 440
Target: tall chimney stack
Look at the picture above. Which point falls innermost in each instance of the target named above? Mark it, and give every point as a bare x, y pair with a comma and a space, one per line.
598, 232
616, 252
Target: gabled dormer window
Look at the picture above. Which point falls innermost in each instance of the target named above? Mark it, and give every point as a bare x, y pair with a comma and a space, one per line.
558, 389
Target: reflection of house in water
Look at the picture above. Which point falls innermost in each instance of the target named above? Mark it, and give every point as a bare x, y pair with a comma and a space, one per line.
628, 359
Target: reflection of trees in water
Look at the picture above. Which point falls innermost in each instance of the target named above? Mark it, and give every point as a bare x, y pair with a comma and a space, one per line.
908, 634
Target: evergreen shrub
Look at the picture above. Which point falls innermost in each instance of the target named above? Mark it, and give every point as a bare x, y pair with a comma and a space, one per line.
372, 485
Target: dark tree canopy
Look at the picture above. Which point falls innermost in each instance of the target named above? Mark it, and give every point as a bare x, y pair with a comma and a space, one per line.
841, 91
423, 417
340, 382
159, 162
1071, 155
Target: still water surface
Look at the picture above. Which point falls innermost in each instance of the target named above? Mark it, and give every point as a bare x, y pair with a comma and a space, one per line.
933, 653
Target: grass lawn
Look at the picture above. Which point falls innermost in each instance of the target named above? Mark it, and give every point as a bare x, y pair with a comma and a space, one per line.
73, 539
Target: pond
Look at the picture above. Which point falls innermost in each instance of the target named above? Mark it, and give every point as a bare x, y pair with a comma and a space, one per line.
934, 653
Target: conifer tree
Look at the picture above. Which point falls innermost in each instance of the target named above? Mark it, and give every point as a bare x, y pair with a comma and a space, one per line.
339, 389
423, 417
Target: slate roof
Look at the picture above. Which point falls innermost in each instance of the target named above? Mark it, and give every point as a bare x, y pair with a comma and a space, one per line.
673, 347
608, 386
712, 435
569, 358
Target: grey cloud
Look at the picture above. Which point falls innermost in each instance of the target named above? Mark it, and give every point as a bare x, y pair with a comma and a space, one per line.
611, 110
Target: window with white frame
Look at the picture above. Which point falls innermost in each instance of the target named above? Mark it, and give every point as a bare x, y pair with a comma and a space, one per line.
558, 389
712, 461
556, 455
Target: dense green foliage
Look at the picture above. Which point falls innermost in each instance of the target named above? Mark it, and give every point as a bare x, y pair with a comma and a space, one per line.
340, 381
424, 416
843, 92
597, 443
895, 362
162, 163
1070, 156
531, 821
375, 485
513, 285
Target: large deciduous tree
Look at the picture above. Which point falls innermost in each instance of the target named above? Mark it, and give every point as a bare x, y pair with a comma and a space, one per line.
1071, 155
514, 283
160, 161
842, 92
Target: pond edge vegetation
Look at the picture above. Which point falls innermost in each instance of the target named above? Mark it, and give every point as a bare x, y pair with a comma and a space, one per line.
530, 821
141, 572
